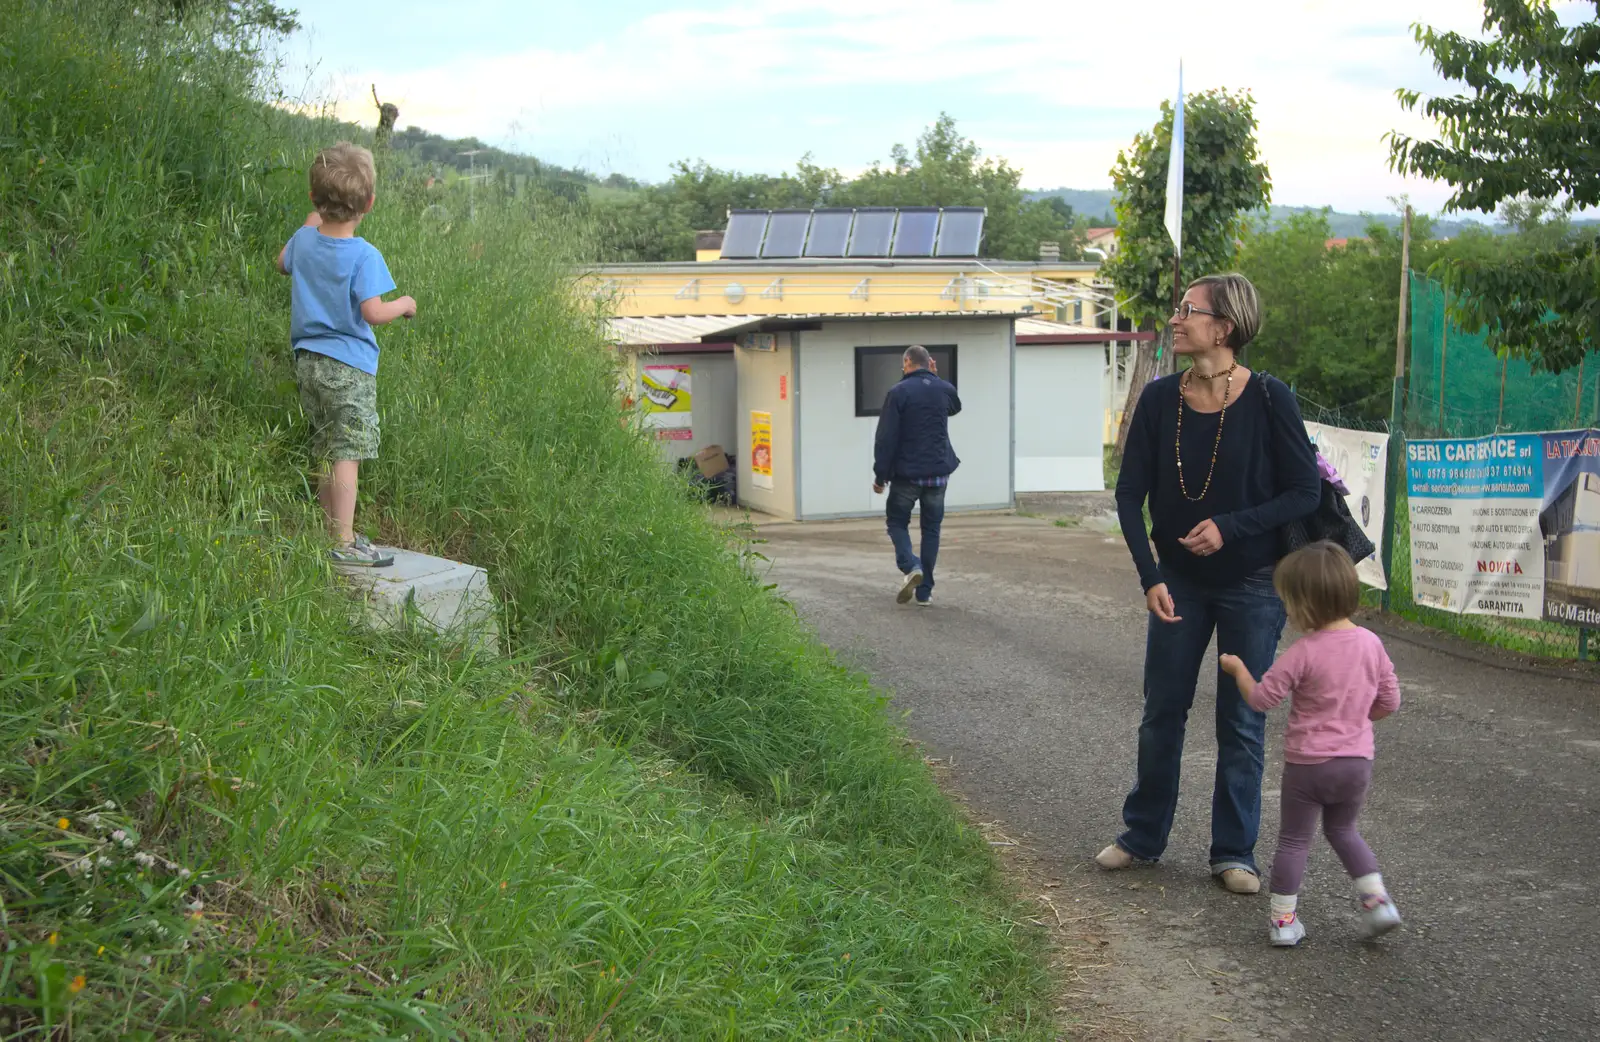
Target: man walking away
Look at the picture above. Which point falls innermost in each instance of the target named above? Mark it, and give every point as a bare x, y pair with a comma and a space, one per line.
914, 460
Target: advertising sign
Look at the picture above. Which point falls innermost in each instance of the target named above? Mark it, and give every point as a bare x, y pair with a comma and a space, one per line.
1507, 525
666, 399
761, 449
1362, 460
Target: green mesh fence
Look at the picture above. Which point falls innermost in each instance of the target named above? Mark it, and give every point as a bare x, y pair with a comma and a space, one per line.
1461, 389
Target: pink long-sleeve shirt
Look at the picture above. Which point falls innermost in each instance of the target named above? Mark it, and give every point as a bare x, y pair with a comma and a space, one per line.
1336, 677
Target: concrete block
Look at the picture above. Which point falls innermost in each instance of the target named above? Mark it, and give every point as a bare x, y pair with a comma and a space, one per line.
449, 597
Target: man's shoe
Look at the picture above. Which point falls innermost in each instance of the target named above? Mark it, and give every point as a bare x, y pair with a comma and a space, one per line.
925, 602
1240, 881
908, 589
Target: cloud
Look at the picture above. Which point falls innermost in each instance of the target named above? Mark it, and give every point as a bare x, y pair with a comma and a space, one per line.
1056, 88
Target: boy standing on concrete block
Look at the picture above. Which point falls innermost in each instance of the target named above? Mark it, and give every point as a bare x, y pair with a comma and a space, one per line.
337, 282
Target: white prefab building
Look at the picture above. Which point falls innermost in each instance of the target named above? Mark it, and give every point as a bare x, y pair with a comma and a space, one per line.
796, 399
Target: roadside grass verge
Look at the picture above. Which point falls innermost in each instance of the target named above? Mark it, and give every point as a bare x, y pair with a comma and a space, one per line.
228, 811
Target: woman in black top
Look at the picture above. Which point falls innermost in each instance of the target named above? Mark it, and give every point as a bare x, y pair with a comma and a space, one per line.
1222, 458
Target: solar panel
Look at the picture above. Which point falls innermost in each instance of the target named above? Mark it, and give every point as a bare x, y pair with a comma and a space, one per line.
913, 235
960, 232
873, 230
746, 228
786, 233
830, 232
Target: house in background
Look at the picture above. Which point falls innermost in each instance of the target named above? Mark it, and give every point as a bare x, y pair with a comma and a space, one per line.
780, 341
1104, 240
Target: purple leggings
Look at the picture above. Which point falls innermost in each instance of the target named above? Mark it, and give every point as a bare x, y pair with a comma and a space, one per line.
1335, 790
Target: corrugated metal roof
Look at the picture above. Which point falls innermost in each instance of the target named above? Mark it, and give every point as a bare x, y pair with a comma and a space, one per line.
1045, 327
690, 329
675, 329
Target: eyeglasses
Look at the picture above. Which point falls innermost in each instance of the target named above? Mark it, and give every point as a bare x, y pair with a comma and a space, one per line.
1184, 311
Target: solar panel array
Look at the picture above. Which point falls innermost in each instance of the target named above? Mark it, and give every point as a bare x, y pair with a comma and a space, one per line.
867, 231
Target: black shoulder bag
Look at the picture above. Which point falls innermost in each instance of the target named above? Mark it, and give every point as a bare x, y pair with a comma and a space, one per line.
1330, 522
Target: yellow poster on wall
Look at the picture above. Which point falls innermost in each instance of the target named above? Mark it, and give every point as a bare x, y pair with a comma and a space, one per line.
761, 449
666, 399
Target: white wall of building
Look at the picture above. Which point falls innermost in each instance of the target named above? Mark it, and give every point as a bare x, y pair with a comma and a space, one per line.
1061, 410
835, 445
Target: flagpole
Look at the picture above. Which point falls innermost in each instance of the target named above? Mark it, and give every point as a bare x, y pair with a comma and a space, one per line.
1173, 218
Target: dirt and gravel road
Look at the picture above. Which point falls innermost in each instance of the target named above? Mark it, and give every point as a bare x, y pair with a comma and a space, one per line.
1023, 683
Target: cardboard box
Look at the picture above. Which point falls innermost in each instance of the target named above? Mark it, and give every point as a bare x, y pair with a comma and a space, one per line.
712, 460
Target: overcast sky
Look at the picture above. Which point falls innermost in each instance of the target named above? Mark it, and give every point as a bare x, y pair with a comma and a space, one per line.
1056, 87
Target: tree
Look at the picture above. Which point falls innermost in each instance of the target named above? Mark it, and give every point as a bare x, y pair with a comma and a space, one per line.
1327, 312
945, 169
1526, 127
1223, 180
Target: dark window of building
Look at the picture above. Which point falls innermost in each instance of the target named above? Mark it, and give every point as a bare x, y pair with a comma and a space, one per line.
879, 368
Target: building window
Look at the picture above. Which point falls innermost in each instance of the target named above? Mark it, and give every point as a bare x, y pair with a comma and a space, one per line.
878, 369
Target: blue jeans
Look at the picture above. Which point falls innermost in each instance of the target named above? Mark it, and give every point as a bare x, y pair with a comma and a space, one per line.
903, 495
1248, 619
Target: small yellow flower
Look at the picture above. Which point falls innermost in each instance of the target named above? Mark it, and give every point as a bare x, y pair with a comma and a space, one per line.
101, 950
52, 939
62, 824
77, 985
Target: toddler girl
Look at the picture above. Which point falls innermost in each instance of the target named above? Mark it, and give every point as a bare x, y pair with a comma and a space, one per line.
1342, 680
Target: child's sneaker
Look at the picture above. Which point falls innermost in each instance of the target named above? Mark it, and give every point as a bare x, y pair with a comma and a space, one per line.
1378, 916
1287, 930
360, 554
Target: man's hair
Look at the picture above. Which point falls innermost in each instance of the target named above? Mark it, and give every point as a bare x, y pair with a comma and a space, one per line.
1318, 585
343, 181
918, 356
1234, 298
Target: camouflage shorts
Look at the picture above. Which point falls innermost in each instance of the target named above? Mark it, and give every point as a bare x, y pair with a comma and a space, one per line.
341, 402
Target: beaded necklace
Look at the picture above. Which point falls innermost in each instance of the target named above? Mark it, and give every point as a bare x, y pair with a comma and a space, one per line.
1183, 400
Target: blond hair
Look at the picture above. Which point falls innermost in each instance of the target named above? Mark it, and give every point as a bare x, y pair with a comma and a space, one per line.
1234, 298
1318, 585
343, 181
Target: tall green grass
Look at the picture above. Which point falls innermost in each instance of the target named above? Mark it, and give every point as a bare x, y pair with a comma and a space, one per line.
228, 811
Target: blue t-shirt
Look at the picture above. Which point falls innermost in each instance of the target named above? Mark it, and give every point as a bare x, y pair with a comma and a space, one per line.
329, 278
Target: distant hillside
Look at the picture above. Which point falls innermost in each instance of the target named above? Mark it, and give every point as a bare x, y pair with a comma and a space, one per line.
1095, 204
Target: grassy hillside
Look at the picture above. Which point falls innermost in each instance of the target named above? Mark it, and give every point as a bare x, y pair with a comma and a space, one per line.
226, 811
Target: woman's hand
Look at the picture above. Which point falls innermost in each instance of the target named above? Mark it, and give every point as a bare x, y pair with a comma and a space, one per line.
1161, 605
1203, 540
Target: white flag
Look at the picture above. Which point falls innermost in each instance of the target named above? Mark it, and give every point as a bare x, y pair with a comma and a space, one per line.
1174, 219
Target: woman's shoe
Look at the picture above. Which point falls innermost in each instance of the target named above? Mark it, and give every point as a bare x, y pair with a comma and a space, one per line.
1114, 858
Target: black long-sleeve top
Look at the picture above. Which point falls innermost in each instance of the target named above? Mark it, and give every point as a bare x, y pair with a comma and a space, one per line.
1266, 476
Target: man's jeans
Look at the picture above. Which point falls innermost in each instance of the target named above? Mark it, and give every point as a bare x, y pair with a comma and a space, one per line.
1248, 619
903, 495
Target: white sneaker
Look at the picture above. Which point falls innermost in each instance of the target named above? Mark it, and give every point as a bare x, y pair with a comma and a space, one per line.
1286, 931
1378, 916
360, 554
908, 589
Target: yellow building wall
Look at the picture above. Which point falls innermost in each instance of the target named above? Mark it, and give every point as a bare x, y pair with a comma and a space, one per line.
835, 291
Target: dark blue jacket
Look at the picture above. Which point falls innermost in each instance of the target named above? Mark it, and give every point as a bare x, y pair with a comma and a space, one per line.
914, 429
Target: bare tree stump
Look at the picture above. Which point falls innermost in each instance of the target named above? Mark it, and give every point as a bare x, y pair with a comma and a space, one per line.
1144, 370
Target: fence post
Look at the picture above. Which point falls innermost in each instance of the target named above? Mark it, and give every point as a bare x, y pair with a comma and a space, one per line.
1395, 477
1444, 344
1583, 643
